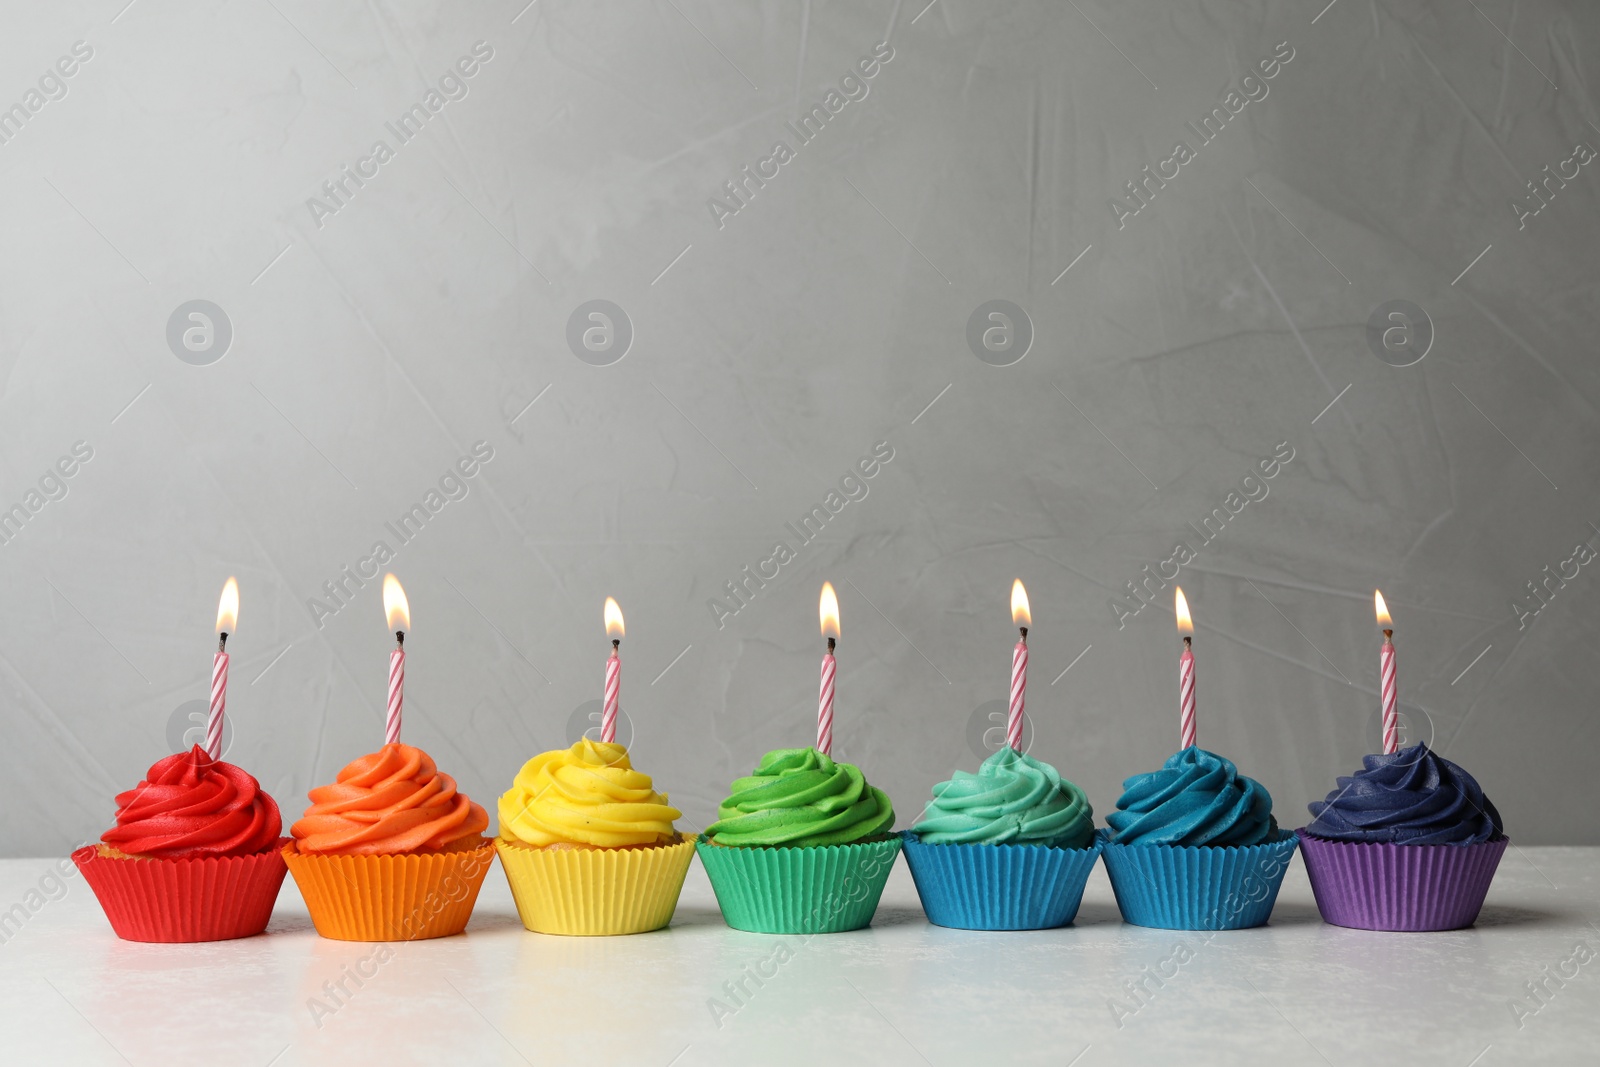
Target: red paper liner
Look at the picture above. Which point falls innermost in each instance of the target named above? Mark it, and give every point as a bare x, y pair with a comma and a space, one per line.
408, 896
1397, 887
203, 898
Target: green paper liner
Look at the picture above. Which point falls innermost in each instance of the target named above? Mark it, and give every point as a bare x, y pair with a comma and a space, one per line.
1198, 887
819, 889
406, 896
593, 891
202, 898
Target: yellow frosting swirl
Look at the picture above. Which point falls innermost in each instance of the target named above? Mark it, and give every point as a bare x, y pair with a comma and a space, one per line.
588, 794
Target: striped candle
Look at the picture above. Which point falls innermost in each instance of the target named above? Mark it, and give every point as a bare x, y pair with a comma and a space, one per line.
608, 717
1021, 618
1391, 695
1388, 691
1186, 696
227, 620
828, 617
825, 704
1019, 692
219, 701
397, 695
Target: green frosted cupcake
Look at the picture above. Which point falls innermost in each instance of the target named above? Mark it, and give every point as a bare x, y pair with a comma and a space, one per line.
802, 846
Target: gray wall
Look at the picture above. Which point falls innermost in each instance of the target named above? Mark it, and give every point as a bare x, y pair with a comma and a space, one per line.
376, 339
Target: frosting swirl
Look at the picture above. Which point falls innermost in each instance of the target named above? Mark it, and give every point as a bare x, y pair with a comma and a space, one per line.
1196, 798
798, 796
393, 800
192, 805
1413, 797
1013, 799
588, 794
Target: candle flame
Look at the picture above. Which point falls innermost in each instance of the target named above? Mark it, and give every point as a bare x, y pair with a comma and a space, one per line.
828, 611
1180, 608
228, 607
1020, 614
395, 606
614, 627
1382, 610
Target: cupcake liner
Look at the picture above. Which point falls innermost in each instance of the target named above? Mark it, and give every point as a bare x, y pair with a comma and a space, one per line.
398, 897
594, 891
999, 887
1198, 887
204, 898
818, 889
1384, 886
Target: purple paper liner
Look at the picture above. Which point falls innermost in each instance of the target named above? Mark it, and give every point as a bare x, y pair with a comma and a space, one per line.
999, 887
1198, 887
1385, 886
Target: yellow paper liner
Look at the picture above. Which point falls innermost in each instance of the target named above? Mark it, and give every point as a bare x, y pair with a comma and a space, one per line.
596, 891
398, 897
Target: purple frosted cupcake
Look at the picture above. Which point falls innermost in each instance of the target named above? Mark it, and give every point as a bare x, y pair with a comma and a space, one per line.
1410, 842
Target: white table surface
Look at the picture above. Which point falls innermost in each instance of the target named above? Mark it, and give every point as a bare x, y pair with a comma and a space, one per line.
1295, 992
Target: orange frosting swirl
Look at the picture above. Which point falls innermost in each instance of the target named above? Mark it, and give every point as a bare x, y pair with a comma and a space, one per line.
394, 800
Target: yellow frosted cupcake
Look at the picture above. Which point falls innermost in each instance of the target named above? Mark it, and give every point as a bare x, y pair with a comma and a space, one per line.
588, 845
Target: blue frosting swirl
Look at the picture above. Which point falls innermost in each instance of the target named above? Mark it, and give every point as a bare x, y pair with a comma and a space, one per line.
1196, 798
1414, 797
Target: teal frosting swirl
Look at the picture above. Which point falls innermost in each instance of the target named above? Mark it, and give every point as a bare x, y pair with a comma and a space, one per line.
1014, 799
1196, 798
798, 796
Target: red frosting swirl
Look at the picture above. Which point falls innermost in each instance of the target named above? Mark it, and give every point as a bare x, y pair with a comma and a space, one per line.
394, 800
192, 805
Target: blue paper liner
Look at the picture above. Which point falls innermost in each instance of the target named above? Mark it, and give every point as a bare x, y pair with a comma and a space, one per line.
1198, 887
799, 889
999, 887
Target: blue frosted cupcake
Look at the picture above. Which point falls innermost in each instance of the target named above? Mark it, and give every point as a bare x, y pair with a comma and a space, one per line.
1008, 848
1194, 846
1410, 842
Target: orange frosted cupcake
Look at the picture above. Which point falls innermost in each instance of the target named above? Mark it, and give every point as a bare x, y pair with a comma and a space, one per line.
390, 851
193, 857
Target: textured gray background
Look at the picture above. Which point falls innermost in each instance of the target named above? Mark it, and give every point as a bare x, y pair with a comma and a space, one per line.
429, 311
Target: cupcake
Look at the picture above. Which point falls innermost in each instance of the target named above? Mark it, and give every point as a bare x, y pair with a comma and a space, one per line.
588, 845
801, 846
1008, 848
1407, 843
1194, 846
390, 851
193, 856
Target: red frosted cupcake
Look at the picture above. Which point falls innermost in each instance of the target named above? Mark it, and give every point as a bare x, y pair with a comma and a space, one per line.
194, 855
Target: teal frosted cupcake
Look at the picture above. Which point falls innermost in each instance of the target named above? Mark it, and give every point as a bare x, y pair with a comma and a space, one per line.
800, 846
1007, 848
1195, 846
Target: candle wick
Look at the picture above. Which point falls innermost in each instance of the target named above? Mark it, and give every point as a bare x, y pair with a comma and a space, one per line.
222, 642
615, 643
400, 639
830, 646
1186, 640
1388, 637
1024, 631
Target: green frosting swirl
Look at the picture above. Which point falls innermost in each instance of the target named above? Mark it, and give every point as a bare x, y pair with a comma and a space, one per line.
1014, 799
798, 796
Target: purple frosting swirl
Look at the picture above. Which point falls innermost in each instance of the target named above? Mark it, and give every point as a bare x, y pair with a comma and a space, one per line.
1414, 797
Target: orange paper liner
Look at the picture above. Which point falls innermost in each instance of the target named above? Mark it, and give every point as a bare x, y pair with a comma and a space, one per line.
201, 898
596, 891
397, 897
